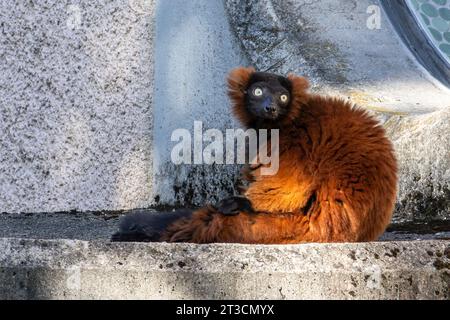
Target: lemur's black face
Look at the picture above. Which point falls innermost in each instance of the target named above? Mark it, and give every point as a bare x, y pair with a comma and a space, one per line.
268, 96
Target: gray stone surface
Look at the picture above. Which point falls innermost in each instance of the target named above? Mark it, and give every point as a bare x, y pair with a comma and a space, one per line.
194, 51
69, 269
340, 47
80, 226
423, 151
78, 101
75, 105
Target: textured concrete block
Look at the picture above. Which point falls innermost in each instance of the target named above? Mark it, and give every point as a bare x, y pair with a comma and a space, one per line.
68, 269
423, 150
76, 86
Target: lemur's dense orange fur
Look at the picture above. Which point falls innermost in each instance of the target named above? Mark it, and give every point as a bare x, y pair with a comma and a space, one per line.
336, 180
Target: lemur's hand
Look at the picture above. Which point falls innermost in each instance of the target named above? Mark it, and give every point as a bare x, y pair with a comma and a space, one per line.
234, 205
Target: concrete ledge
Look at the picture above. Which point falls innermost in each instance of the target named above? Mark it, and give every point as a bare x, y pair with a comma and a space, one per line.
72, 269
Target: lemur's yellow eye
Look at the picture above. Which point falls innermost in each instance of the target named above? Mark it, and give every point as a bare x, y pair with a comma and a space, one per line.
284, 98
257, 92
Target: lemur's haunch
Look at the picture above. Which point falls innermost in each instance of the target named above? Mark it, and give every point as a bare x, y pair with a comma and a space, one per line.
336, 181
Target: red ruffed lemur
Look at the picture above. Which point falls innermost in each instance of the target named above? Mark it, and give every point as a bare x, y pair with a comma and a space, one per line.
336, 182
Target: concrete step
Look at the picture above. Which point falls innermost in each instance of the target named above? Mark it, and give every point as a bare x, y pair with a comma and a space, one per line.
74, 259
74, 269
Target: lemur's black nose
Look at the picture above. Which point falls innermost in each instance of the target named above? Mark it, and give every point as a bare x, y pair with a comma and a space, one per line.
270, 108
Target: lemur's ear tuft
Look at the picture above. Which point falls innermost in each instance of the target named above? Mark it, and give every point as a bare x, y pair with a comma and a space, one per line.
299, 84
299, 94
238, 81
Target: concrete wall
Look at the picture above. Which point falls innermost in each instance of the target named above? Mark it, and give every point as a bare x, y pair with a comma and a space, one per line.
91, 92
76, 95
194, 51
79, 99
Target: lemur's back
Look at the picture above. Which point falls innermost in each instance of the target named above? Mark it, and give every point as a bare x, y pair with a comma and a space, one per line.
352, 167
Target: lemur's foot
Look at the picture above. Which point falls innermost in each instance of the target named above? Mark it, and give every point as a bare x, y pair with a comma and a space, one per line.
233, 205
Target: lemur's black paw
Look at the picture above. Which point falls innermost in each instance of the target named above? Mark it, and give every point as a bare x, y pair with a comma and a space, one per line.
234, 205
